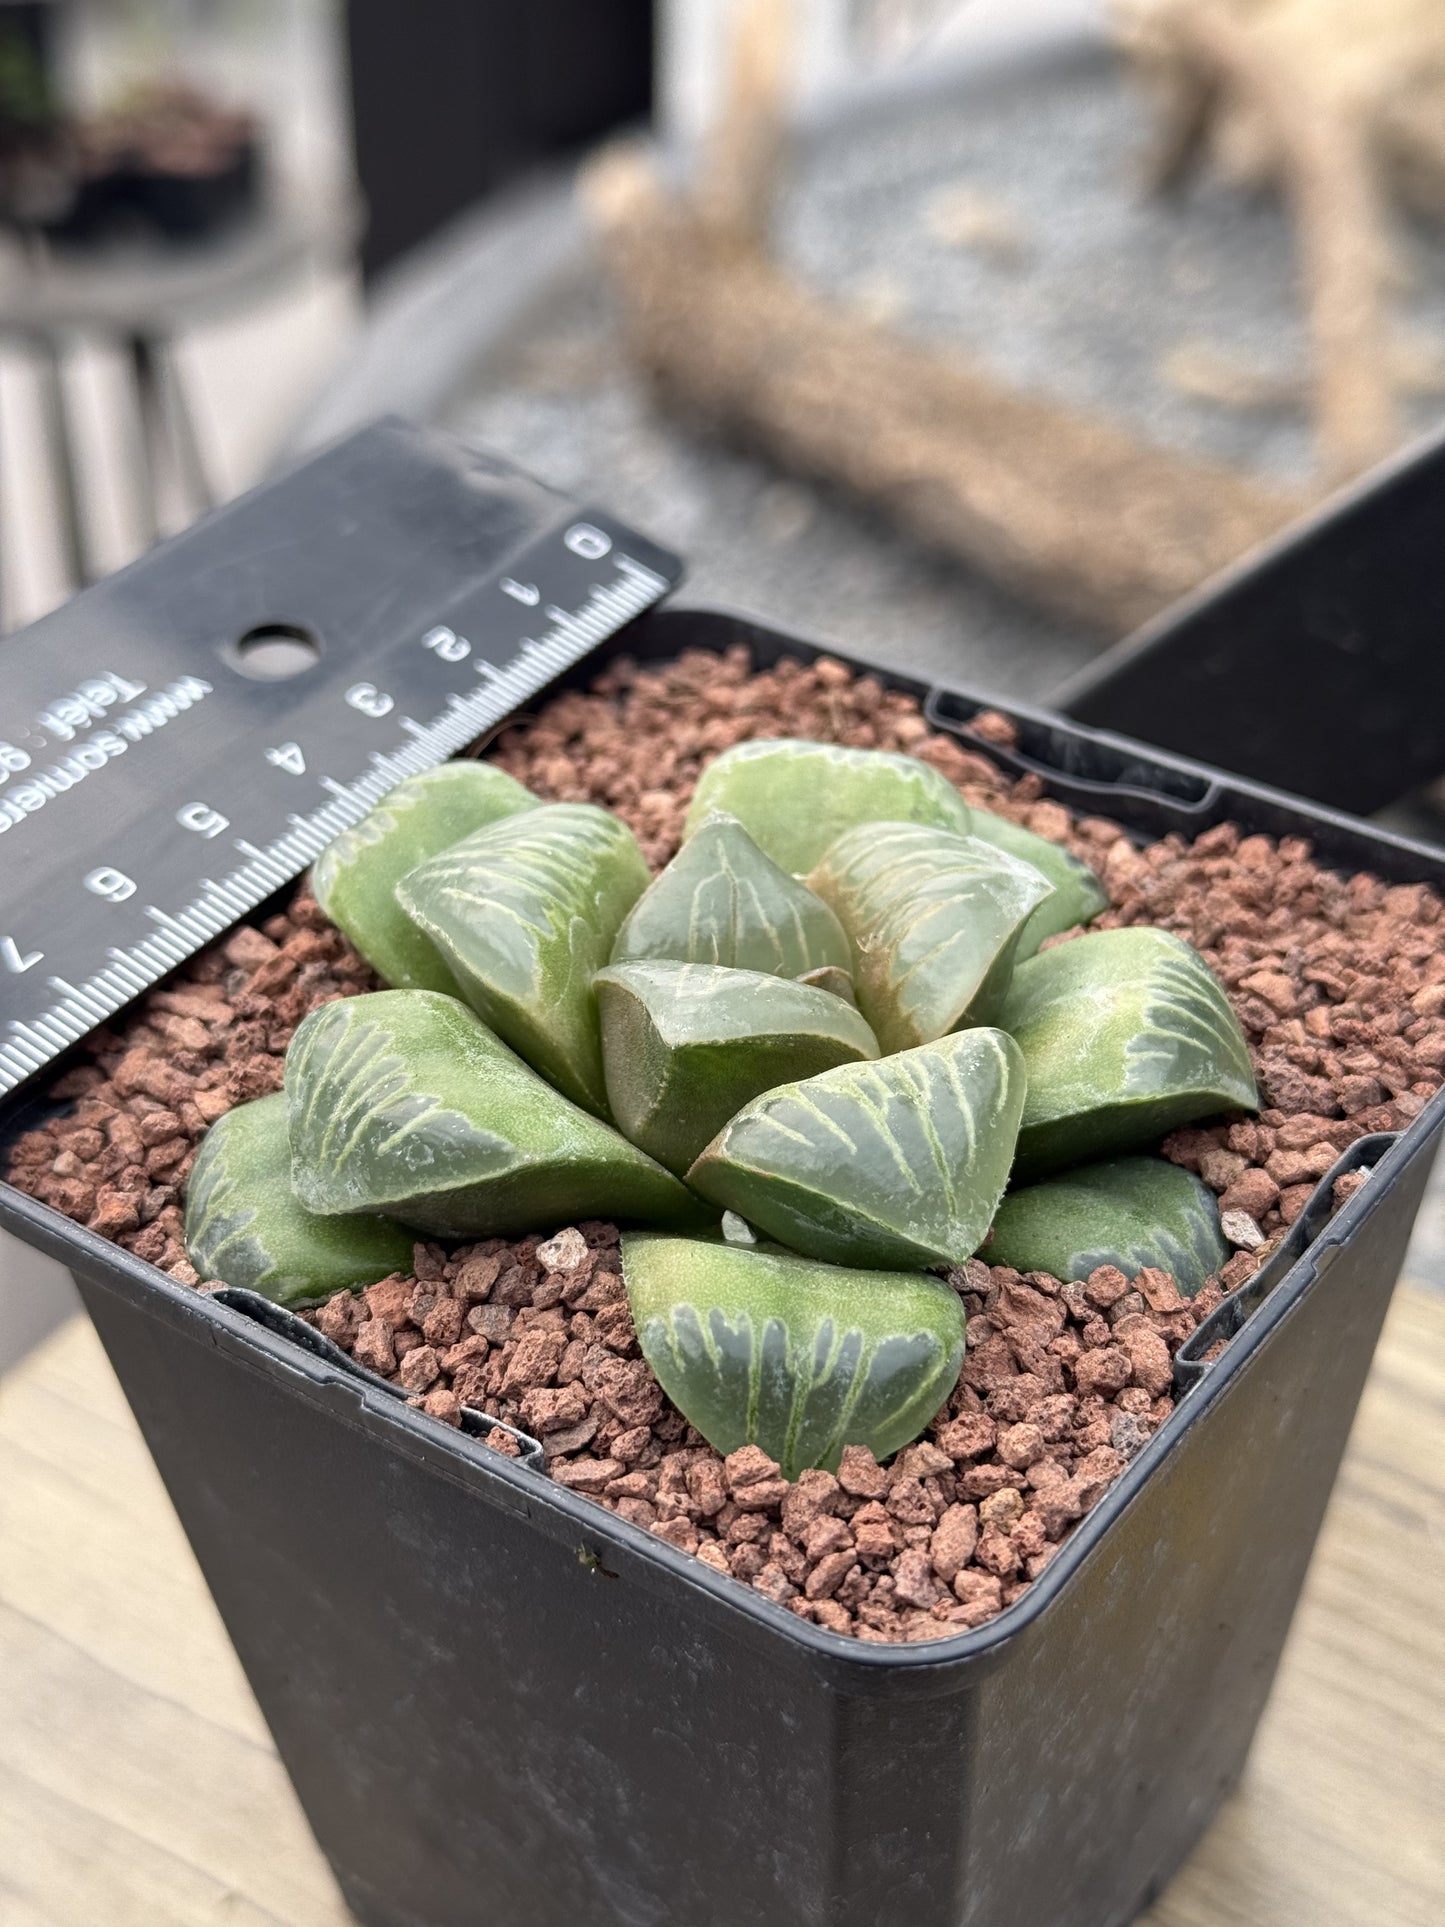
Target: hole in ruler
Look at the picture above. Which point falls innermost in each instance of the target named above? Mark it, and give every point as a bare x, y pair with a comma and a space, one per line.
275, 651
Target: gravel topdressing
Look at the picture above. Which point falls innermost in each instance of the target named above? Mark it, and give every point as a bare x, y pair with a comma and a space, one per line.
1339, 983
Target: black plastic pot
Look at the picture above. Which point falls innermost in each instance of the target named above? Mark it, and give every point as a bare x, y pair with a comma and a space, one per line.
1315, 664
176, 206
497, 1699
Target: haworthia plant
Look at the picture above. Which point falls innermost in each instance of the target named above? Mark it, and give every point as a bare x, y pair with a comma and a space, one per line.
525, 913
1126, 1035
244, 1227
794, 798
899, 1163
355, 877
404, 1103
721, 901
756, 1346
1077, 897
685, 1046
837, 983
933, 919
1128, 1212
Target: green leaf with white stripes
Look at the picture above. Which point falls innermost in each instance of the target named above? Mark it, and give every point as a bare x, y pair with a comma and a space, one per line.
1126, 1035
686, 1045
403, 1103
758, 1347
1077, 896
933, 918
1128, 1212
355, 877
721, 901
900, 1163
794, 798
245, 1228
525, 913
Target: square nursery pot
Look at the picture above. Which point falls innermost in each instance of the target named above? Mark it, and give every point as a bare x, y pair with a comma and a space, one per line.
497, 1699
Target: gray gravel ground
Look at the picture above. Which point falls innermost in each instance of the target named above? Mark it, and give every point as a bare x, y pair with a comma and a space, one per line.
1087, 292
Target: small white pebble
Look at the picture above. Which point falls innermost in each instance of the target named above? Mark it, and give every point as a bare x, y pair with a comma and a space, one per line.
564, 1252
1241, 1230
736, 1230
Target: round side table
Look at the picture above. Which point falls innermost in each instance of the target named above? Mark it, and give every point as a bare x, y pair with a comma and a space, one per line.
138, 297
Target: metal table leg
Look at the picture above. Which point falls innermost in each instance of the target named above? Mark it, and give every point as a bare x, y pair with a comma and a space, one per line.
50, 357
190, 461
150, 440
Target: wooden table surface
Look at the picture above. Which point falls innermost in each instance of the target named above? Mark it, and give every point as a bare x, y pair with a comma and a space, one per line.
139, 1787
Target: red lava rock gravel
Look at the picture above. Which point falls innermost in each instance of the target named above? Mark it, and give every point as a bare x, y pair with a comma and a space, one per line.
1061, 1386
1338, 981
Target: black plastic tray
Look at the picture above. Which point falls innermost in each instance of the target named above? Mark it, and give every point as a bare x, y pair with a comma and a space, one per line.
499, 1701
1314, 663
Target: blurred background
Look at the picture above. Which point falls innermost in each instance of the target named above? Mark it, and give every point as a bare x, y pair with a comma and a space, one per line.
967, 332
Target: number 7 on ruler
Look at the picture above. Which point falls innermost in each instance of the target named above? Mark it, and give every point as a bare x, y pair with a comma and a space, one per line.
11, 958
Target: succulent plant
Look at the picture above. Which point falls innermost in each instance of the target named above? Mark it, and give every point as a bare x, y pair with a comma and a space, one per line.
245, 1226
794, 798
525, 913
687, 1045
761, 1347
404, 1104
1078, 896
933, 919
355, 878
1126, 1035
900, 1162
721, 901
674, 1052
1127, 1212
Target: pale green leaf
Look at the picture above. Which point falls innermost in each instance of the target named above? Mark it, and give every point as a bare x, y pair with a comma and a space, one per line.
1127, 1212
685, 1046
896, 1163
794, 798
1078, 896
355, 877
933, 918
721, 901
525, 913
1126, 1036
757, 1347
245, 1228
405, 1104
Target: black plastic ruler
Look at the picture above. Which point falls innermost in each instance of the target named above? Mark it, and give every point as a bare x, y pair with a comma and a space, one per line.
155, 785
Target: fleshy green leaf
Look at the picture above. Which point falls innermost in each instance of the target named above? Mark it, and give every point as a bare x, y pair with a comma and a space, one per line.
1126, 1035
245, 1228
524, 913
1128, 1212
1077, 896
897, 1163
794, 798
721, 901
355, 878
837, 983
933, 918
404, 1103
757, 1347
685, 1046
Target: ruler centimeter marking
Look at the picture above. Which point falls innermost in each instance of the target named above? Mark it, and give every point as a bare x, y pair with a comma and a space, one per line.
34, 1041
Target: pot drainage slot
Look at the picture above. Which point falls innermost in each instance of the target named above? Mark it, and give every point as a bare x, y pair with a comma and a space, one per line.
285, 1324
1191, 1362
478, 1424
1087, 771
